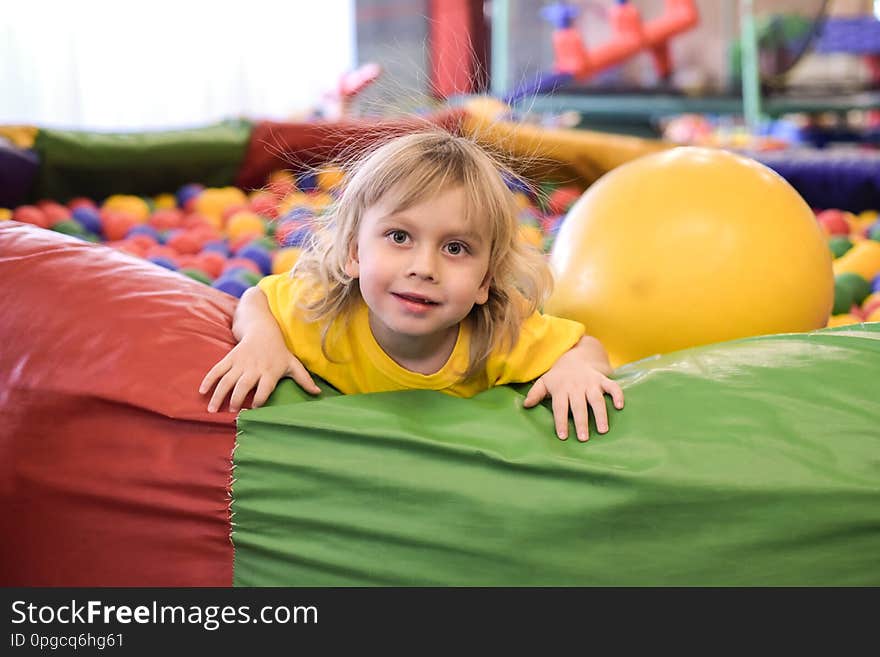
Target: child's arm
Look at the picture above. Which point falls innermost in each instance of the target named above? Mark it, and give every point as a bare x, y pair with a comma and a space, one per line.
577, 379
259, 359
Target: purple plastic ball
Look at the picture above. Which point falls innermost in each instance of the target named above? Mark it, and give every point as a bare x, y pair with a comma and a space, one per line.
259, 255
230, 284
88, 219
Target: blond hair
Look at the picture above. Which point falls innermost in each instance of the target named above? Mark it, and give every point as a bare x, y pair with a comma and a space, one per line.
413, 168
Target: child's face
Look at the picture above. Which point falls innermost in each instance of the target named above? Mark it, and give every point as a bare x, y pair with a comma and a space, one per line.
421, 270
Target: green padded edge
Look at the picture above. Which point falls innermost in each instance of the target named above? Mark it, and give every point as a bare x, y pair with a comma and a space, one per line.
749, 463
97, 165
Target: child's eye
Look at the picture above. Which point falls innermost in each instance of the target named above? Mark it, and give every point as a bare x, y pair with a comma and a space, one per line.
398, 236
456, 248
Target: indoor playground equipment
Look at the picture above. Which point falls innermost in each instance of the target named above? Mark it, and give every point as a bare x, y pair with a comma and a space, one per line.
743, 463
688, 247
573, 61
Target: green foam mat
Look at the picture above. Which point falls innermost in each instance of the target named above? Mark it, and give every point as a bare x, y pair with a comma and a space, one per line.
748, 463
97, 165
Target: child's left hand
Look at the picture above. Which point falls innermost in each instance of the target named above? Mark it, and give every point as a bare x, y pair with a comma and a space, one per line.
575, 381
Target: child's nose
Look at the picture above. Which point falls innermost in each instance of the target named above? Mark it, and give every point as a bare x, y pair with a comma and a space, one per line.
423, 264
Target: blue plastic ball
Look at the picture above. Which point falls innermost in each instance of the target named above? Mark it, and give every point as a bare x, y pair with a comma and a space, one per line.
162, 261
230, 284
186, 192
516, 184
307, 181
88, 219
298, 237
258, 254
143, 229
219, 246
875, 284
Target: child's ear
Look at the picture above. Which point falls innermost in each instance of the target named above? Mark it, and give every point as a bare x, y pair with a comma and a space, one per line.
483, 290
352, 266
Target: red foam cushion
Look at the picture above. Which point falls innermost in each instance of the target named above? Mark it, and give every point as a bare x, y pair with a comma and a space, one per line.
112, 473
277, 145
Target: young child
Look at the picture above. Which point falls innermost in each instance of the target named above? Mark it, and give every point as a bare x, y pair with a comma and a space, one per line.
417, 279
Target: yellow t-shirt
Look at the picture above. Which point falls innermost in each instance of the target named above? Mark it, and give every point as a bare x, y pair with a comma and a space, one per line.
362, 366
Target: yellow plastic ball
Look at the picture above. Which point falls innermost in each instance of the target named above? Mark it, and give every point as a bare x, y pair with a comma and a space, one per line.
329, 178
165, 202
131, 205
531, 235
686, 247
285, 259
862, 259
5, 214
244, 223
214, 201
843, 320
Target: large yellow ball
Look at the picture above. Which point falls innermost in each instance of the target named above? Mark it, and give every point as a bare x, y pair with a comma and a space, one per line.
686, 247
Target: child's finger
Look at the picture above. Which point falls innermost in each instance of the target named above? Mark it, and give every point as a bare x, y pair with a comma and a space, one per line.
221, 390
213, 374
264, 389
616, 392
242, 387
536, 393
301, 375
600, 413
560, 415
579, 413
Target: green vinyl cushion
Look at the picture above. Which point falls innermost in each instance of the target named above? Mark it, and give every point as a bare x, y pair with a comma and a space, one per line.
752, 462
96, 165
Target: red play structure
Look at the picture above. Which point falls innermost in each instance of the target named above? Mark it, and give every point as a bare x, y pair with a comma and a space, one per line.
631, 36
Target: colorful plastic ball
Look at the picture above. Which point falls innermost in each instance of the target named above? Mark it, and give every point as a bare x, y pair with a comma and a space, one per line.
166, 218
241, 263
833, 222
871, 303
561, 200
259, 254
858, 287
839, 245
81, 202
281, 183
690, 246
245, 223
862, 259
264, 204
88, 218
307, 181
284, 259
218, 246
844, 297
874, 316
231, 285
163, 261
516, 184
531, 235
143, 229
187, 193
5, 214
68, 227
133, 206
844, 319
211, 262
30, 214
298, 237
55, 212
116, 224
874, 232
197, 275
164, 202
185, 242
330, 178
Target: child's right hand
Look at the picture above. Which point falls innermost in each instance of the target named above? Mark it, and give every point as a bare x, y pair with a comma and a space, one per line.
255, 361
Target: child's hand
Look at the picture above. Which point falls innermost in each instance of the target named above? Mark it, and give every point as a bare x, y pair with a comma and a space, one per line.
573, 383
254, 362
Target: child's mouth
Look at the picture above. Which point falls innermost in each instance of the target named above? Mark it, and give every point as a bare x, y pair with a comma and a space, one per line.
415, 302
